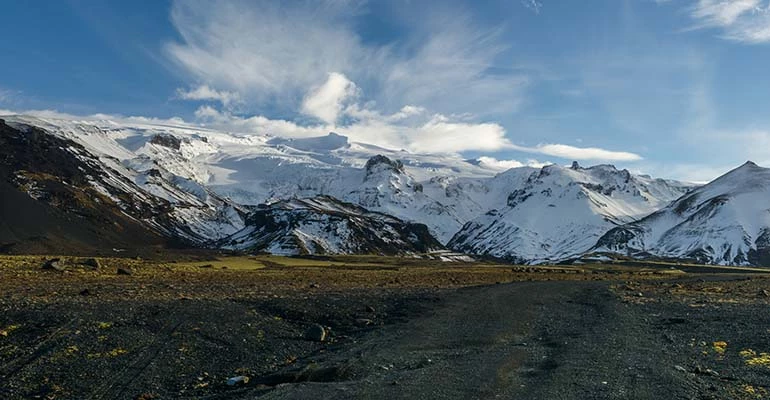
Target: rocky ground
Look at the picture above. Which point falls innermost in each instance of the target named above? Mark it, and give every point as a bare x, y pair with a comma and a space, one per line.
267, 327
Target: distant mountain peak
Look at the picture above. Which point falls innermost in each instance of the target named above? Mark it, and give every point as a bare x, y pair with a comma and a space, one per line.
331, 141
749, 164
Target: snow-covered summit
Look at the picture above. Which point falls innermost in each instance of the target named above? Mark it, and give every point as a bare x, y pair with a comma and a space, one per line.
560, 212
724, 222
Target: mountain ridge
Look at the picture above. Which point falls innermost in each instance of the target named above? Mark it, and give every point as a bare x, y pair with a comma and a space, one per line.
207, 184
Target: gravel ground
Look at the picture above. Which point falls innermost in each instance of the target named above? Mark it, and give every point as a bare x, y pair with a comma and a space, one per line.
472, 331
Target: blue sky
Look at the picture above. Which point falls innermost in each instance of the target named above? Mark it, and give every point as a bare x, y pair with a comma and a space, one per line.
671, 88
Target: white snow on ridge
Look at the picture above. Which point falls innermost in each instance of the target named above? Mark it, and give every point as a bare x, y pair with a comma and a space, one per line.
725, 222
540, 214
559, 213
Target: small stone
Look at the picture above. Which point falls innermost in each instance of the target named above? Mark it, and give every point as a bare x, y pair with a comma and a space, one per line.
316, 333
54, 264
85, 292
698, 369
364, 321
314, 285
370, 309
237, 380
765, 293
680, 368
125, 271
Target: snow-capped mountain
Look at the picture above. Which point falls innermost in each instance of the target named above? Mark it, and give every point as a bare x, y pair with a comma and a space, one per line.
92, 201
724, 222
444, 191
325, 225
558, 213
202, 186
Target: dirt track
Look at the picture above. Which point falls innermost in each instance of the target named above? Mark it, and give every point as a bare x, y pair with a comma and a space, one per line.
402, 334
551, 340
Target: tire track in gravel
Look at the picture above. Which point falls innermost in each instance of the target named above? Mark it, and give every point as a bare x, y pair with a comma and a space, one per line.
116, 387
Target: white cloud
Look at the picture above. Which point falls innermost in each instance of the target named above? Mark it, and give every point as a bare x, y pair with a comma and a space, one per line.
579, 153
746, 21
264, 50
503, 165
422, 134
441, 134
326, 101
427, 134
273, 53
204, 92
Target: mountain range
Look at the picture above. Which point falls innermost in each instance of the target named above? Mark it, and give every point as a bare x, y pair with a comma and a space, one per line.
90, 185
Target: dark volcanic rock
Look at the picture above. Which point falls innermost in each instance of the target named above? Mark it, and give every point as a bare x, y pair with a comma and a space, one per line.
169, 141
380, 161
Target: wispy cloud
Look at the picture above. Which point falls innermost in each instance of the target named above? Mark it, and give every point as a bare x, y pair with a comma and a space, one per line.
533, 5
8, 96
204, 92
427, 91
272, 53
746, 21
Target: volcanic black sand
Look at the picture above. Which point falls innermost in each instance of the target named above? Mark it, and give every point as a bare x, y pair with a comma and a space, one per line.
396, 329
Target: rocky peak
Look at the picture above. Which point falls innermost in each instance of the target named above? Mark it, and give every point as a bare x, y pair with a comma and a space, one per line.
166, 140
380, 162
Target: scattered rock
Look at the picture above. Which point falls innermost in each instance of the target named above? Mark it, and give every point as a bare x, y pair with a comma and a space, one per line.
54, 264
125, 271
237, 380
705, 371
85, 292
364, 321
680, 368
166, 140
314, 285
91, 262
316, 333
370, 309
765, 293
